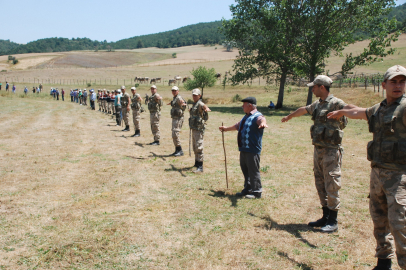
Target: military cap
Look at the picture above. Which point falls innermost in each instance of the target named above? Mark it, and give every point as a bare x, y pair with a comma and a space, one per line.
175, 88
108, 91
321, 80
153, 86
196, 92
251, 100
122, 87
133, 88
394, 71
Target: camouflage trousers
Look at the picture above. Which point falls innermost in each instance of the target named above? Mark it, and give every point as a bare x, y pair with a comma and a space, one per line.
113, 108
104, 105
136, 119
110, 105
126, 115
154, 120
387, 206
100, 104
197, 142
327, 175
176, 127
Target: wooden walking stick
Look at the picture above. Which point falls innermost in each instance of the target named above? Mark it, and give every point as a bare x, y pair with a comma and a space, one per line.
225, 156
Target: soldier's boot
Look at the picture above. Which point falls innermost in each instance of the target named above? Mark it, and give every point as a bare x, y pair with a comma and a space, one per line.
127, 128
154, 143
195, 164
137, 133
178, 151
199, 166
332, 224
383, 264
323, 221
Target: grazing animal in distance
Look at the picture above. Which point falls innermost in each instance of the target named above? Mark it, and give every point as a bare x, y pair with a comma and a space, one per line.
153, 80
218, 75
172, 81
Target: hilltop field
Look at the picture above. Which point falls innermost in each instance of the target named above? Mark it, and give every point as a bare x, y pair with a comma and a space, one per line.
78, 193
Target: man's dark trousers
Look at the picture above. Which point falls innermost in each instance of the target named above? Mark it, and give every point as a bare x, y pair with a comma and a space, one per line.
249, 163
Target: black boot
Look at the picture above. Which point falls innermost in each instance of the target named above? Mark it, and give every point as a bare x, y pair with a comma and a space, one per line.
137, 133
323, 221
332, 224
127, 128
195, 164
154, 143
199, 166
383, 264
178, 151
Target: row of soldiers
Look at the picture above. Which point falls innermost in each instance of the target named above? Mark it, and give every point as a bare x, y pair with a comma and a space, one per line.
120, 103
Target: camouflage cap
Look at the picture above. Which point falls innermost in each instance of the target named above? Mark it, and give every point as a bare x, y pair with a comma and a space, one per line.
196, 92
122, 87
175, 88
321, 80
394, 71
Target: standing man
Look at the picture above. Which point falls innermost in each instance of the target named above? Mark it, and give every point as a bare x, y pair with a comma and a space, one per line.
326, 135
250, 132
154, 106
0, 86
177, 112
197, 121
7, 86
57, 93
71, 95
25, 90
14, 89
136, 107
117, 104
387, 153
125, 108
84, 97
109, 102
99, 99
92, 99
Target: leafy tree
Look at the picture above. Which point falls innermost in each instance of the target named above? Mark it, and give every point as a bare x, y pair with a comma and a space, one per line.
140, 44
294, 37
174, 55
203, 77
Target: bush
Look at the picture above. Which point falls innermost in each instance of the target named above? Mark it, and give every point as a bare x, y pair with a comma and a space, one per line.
237, 98
15, 61
174, 55
89, 84
10, 57
136, 85
3, 70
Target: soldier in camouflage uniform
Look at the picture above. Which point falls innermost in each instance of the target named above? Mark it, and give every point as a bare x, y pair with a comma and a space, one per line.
136, 107
154, 106
177, 112
387, 153
197, 121
326, 135
125, 108
99, 101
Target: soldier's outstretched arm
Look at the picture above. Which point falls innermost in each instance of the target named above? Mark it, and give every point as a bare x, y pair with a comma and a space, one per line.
354, 113
299, 112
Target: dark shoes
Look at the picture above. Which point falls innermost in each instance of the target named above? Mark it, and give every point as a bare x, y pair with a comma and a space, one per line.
199, 167
127, 128
137, 133
242, 193
323, 221
154, 143
178, 152
383, 264
332, 223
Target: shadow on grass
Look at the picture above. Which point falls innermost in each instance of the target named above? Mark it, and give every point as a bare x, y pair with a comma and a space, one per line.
180, 170
264, 110
221, 194
136, 157
160, 156
139, 144
294, 229
298, 264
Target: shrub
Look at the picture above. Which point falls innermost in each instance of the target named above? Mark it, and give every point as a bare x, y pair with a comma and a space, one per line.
136, 85
15, 61
10, 57
237, 98
89, 84
174, 55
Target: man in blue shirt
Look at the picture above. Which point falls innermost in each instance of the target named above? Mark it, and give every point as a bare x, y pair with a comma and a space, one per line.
250, 130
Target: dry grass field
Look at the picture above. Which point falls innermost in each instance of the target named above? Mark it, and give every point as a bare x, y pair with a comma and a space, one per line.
78, 193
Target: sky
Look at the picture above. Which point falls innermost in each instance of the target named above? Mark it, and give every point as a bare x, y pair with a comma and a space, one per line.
112, 20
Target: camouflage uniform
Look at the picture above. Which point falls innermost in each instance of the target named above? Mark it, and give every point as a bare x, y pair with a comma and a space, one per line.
177, 118
326, 136
197, 122
154, 107
125, 100
136, 107
387, 153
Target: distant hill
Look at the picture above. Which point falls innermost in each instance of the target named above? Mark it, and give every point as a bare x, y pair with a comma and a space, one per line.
7, 45
201, 33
